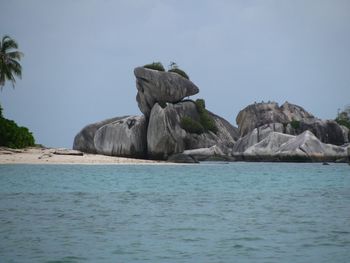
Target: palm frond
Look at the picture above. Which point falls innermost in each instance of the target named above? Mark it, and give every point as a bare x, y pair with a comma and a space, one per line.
15, 55
8, 43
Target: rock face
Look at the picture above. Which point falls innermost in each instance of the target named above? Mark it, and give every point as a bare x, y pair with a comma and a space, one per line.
155, 86
295, 121
165, 135
256, 135
84, 140
258, 114
328, 131
125, 137
304, 147
120, 136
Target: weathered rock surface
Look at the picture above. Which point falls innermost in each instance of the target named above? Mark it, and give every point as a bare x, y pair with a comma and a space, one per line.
165, 135
84, 140
328, 131
256, 135
258, 114
155, 86
124, 137
304, 147
120, 136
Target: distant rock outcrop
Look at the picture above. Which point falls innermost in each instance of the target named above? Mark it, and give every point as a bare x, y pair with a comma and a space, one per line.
294, 119
283, 147
156, 86
258, 114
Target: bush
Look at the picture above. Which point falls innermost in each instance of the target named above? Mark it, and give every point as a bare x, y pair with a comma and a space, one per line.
180, 72
191, 126
155, 65
173, 67
13, 136
206, 120
343, 122
295, 124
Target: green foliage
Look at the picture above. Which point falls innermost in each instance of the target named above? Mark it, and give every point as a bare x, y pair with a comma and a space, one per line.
173, 67
344, 117
295, 124
9, 61
343, 122
191, 126
180, 72
13, 136
156, 66
206, 120
162, 104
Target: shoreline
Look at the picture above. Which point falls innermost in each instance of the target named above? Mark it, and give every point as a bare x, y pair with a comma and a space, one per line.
65, 156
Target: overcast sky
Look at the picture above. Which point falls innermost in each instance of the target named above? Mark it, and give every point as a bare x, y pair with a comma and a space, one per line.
80, 55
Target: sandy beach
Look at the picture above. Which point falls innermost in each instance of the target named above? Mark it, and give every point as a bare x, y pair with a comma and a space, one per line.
62, 156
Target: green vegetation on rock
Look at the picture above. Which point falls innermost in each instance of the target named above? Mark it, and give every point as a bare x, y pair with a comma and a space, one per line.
156, 66
295, 124
206, 120
13, 136
343, 117
173, 67
191, 126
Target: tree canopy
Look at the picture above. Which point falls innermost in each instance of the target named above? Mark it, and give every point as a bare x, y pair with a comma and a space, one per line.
9, 61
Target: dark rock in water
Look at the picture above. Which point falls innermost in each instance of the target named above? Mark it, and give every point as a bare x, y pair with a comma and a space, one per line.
84, 140
155, 86
258, 114
182, 158
325, 163
120, 136
165, 135
213, 153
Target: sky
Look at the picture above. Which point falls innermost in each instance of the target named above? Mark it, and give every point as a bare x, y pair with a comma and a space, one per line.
80, 55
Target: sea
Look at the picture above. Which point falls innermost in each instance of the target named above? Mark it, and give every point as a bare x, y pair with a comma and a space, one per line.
208, 212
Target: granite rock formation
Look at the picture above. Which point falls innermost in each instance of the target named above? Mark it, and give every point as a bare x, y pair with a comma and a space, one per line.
120, 136
156, 86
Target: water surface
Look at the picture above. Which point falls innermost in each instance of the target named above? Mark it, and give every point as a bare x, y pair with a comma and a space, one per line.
213, 212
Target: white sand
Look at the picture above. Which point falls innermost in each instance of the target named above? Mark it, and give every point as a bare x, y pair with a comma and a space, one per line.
47, 156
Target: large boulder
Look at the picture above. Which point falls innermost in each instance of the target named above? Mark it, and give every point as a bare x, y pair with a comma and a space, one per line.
156, 86
120, 136
256, 135
267, 148
307, 146
328, 131
165, 135
84, 140
258, 114
125, 137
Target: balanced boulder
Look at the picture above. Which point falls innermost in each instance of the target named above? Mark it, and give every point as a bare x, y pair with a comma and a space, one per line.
156, 86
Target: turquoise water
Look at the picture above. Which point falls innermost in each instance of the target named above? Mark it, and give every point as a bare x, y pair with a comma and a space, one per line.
216, 212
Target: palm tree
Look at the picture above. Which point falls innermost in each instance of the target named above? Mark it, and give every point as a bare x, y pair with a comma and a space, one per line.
9, 57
